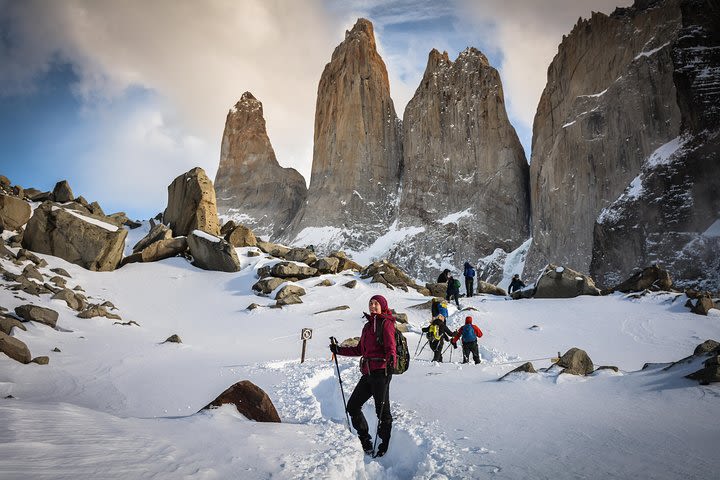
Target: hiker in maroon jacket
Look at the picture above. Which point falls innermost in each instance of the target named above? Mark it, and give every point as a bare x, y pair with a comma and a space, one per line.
377, 358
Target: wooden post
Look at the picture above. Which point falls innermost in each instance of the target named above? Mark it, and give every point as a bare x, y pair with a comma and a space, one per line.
305, 335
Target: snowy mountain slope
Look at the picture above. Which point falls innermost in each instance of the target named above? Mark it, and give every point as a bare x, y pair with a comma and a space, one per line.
116, 403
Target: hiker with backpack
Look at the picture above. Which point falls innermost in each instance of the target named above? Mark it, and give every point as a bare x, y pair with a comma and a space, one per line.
438, 332
469, 334
453, 290
469, 273
443, 277
378, 356
516, 283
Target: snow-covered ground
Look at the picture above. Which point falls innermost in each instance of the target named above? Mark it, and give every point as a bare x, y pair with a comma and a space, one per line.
117, 403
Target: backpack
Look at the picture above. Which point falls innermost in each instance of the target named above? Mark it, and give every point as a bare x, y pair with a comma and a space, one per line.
468, 333
456, 283
433, 332
401, 349
470, 272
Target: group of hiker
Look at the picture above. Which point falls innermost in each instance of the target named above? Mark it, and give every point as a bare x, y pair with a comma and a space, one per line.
453, 284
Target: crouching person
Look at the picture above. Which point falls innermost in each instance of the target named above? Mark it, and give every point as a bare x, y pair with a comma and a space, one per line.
469, 334
378, 355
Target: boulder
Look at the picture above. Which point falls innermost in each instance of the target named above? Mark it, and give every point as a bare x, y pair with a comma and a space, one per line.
227, 227
651, 278
490, 289
576, 362
350, 342
42, 360
289, 290
267, 285
303, 255
710, 373
6, 252
97, 311
325, 283
156, 233
212, 253
400, 317
59, 281
706, 347
166, 248
80, 240
437, 289
61, 271
74, 300
292, 270
327, 265
289, 300
191, 204
31, 272
390, 275
524, 293
525, 367
24, 255
62, 192
703, 304
273, 249
345, 263
14, 348
350, 284
334, 309
33, 313
96, 209
562, 282
241, 236
253, 253
8, 323
174, 338
14, 213
250, 400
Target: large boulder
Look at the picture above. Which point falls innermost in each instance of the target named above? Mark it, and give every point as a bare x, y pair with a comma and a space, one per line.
390, 275
212, 253
14, 348
33, 313
14, 213
562, 282
267, 285
81, 240
157, 232
327, 265
8, 323
250, 400
576, 362
62, 192
702, 304
526, 367
166, 248
651, 278
490, 289
437, 289
74, 300
289, 290
273, 249
191, 204
241, 236
292, 270
304, 255
345, 262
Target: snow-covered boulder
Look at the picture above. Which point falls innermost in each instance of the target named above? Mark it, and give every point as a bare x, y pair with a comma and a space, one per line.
292, 270
304, 255
8, 323
562, 282
289, 290
250, 400
13, 212
212, 253
267, 285
85, 241
576, 362
157, 232
273, 249
526, 367
33, 313
650, 278
241, 236
490, 289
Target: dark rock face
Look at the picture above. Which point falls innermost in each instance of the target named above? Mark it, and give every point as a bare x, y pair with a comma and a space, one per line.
212, 253
458, 144
357, 156
250, 181
562, 282
670, 212
250, 400
610, 102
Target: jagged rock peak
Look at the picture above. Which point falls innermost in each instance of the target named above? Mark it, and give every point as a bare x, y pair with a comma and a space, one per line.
248, 103
362, 28
438, 61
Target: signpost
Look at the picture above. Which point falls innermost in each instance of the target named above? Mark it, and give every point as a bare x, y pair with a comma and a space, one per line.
305, 335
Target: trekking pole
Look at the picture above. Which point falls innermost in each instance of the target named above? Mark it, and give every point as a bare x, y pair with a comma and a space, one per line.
418, 345
382, 407
423, 348
333, 341
451, 351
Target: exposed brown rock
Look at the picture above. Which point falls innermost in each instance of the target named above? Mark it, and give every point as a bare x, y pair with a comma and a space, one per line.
212, 253
14, 212
267, 285
576, 362
525, 367
250, 400
62, 192
490, 289
241, 236
156, 233
191, 204
14, 348
33, 313
562, 282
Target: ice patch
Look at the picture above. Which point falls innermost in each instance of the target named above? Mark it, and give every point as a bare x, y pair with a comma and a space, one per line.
651, 52
107, 226
454, 217
713, 230
383, 244
206, 236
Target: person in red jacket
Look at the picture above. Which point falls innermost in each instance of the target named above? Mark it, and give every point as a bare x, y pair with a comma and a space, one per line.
378, 355
469, 333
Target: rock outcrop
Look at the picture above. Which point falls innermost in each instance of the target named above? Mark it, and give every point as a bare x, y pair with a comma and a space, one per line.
250, 400
250, 182
14, 212
212, 253
357, 155
191, 204
79, 239
669, 213
610, 101
458, 144
562, 282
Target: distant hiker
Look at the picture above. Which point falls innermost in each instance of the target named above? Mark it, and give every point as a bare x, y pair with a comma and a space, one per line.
453, 290
469, 273
377, 357
469, 334
438, 333
516, 283
438, 307
443, 277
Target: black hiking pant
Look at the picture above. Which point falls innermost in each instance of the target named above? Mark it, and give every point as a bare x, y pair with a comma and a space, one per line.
376, 385
437, 348
448, 296
468, 348
469, 281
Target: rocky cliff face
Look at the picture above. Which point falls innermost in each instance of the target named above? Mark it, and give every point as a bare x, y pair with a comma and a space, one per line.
357, 156
465, 181
251, 186
670, 212
610, 101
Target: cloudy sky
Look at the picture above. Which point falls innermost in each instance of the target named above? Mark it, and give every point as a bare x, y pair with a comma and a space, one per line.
120, 97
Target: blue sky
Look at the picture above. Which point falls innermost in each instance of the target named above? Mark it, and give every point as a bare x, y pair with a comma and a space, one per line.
119, 98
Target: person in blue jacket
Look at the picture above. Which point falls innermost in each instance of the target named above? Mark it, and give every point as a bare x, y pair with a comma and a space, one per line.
469, 273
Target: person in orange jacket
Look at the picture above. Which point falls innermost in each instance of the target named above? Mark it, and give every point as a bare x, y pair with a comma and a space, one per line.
470, 334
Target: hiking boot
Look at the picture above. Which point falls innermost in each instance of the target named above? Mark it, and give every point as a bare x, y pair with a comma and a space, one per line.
367, 445
382, 449
478, 362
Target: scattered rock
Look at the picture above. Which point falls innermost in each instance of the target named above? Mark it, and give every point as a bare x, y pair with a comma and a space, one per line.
400, 317
437, 289
490, 289
325, 283
31, 272
303, 255
327, 265
288, 300
191, 204
651, 278
290, 290
14, 348
6, 252
165, 248
608, 367
250, 400
334, 309
212, 253
24, 255
350, 284
350, 342
62, 192
33, 313
241, 236
267, 285
56, 349
8, 323
576, 362
562, 282
273, 249
345, 262
14, 213
156, 233
97, 311
173, 339
703, 304
43, 360
61, 271
253, 253
73, 300
706, 347
253, 306
228, 227
292, 270
390, 275
525, 367
127, 324
59, 281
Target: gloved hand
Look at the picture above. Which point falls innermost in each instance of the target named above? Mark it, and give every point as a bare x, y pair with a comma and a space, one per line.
454, 344
334, 347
